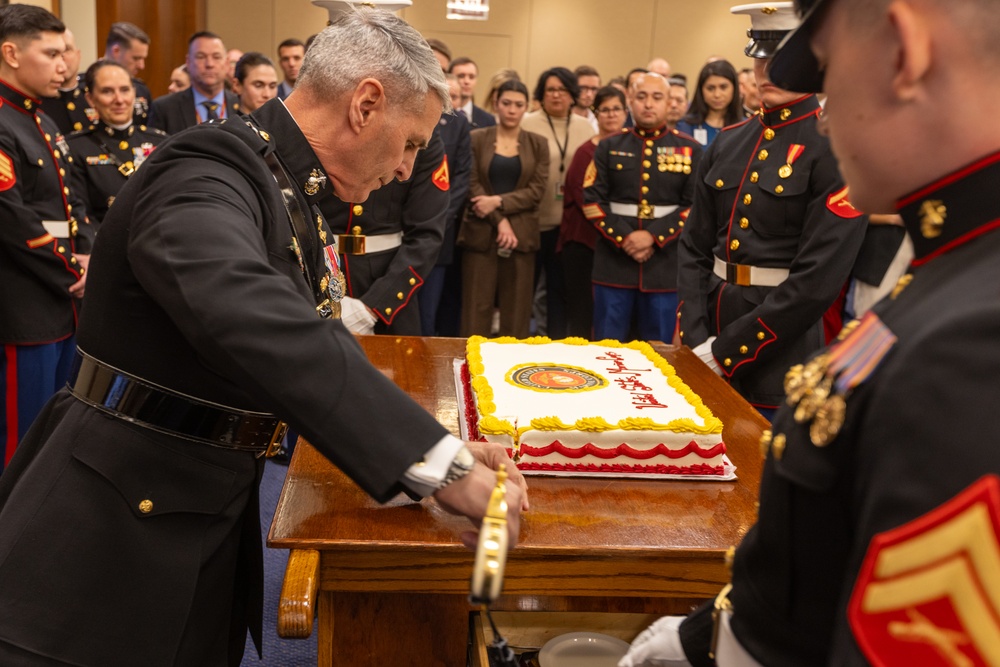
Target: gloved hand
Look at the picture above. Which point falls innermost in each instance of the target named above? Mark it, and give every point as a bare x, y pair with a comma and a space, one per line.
704, 352
356, 316
659, 645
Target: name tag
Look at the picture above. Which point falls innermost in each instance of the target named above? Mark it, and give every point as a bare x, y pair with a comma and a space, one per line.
701, 135
57, 228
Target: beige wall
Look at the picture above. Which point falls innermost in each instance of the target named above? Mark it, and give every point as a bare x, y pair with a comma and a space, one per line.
81, 17
528, 35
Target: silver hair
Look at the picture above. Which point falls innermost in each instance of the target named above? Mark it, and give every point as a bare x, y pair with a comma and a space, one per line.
371, 43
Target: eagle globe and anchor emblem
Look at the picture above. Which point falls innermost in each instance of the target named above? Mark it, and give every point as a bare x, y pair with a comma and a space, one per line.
555, 378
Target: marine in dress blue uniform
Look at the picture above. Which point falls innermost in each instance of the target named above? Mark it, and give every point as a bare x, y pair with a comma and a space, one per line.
403, 224
769, 244
641, 181
44, 228
880, 502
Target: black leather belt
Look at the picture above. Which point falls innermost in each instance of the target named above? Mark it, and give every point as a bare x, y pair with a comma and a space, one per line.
140, 402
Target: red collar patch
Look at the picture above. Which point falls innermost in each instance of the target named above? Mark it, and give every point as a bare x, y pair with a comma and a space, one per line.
929, 591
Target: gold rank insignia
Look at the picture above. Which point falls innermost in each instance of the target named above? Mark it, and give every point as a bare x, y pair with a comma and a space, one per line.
590, 177
928, 592
932, 217
818, 390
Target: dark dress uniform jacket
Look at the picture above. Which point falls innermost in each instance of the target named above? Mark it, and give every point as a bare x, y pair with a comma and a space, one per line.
36, 269
628, 171
70, 109
103, 166
175, 112
194, 286
387, 282
745, 212
916, 432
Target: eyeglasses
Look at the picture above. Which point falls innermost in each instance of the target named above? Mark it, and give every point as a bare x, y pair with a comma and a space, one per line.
607, 111
555, 91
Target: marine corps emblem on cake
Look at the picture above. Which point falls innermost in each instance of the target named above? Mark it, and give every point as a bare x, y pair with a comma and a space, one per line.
550, 377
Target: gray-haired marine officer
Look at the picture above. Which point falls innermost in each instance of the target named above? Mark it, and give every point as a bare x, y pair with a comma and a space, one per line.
879, 529
129, 517
771, 237
109, 151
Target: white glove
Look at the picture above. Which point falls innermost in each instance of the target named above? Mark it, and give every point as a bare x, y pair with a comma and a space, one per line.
356, 316
704, 352
659, 645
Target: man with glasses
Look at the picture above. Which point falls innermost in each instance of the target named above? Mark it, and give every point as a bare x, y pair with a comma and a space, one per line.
207, 99
638, 194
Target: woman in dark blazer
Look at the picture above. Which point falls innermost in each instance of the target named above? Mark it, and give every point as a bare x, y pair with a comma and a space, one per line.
500, 231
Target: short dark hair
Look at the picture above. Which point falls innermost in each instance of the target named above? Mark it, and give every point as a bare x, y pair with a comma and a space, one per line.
567, 78
91, 74
608, 92
462, 60
202, 34
290, 42
586, 70
512, 85
248, 61
27, 21
440, 47
634, 70
122, 33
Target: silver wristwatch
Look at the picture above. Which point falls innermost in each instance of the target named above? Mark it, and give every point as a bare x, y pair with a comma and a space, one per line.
460, 466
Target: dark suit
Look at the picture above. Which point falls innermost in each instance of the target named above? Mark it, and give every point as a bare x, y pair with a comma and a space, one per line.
122, 545
442, 292
484, 273
175, 112
917, 390
482, 118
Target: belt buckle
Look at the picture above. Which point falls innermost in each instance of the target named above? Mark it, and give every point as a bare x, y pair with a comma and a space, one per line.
351, 244
738, 274
646, 212
274, 446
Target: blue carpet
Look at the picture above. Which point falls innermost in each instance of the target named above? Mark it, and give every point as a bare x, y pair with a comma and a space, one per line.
278, 652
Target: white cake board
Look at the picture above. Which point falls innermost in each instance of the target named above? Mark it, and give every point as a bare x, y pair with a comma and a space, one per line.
728, 469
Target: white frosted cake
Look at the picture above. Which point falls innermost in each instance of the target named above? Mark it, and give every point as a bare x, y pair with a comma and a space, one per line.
581, 407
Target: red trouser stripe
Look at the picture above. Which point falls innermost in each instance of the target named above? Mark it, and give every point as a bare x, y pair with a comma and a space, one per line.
10, 437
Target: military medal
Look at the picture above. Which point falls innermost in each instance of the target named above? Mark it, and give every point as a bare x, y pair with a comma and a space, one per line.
126, 169
794, 153
828, 421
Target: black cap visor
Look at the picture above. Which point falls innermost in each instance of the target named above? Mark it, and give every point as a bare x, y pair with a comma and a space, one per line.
793, 66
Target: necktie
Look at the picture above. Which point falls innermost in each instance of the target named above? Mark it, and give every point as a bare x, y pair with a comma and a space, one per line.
212, 109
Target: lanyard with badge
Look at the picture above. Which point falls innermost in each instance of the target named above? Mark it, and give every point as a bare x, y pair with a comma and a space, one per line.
563, 147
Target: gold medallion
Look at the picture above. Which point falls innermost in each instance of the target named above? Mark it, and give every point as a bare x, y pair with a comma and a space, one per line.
785, 171
793, 379
829, 420
812, 401
662, 167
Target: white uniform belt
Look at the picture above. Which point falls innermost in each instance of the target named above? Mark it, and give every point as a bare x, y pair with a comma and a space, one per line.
729, 652
360, 244
747, 276
632, 210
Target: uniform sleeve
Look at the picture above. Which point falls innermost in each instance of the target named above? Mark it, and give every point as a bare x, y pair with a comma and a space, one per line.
613, 227
251, 324
828, 247
423, 223
25, 241
695, 259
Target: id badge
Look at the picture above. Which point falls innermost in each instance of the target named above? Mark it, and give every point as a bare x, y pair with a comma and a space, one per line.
701, 135
560, 188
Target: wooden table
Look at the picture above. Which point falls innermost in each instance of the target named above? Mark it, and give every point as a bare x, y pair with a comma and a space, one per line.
392, 579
